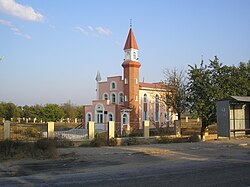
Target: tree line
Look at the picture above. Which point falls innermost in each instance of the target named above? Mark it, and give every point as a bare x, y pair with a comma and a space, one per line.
48, 112
198, 88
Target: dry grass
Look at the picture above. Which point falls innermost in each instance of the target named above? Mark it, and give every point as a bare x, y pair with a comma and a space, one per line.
42, 149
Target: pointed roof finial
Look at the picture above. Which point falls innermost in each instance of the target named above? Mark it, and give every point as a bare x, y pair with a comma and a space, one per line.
98, 76
130, 42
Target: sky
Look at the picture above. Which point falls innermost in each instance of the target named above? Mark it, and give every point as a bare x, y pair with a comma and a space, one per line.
50, 51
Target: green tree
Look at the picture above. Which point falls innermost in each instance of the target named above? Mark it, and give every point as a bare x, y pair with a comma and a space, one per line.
70, 110
79, 112
10, 111
52, 112
207, 84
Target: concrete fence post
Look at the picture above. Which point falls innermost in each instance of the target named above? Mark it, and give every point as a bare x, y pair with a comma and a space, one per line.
111, 129
177, 127
146, 129
91, 130
50, 131
6, 130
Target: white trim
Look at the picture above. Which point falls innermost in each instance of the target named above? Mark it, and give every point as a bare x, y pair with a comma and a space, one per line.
143, 114
136, 98
155, 108
103, 109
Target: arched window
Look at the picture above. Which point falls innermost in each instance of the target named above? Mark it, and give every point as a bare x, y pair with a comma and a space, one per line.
121, 98
157, 107
145, 107
110, 117
105, 96
99, 114
113, 98
125, 119
134, 53
113, 85
89, 117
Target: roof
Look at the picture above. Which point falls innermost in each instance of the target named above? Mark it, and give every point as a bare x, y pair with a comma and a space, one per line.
245, 99
241, 98
157, 86
131, 42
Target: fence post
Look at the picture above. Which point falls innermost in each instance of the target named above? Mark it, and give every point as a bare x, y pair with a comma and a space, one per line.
50, 130
146, 129
91, 130
111, 129
6, 130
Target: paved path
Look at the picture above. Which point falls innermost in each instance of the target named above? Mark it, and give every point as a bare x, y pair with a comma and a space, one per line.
216, 163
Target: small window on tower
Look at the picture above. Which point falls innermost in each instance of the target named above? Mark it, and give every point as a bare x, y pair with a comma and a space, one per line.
134, 55
125, 81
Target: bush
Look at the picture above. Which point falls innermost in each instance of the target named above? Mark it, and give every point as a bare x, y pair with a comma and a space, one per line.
166, 140
100, 140
136, 134
194, 138
112, 142
130, 141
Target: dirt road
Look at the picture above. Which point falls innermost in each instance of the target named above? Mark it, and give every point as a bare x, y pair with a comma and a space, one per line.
214, 163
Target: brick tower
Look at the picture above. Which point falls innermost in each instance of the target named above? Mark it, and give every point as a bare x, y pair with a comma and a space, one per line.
131, 67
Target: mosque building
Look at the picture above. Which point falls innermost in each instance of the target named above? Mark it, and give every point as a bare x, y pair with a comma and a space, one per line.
127, 101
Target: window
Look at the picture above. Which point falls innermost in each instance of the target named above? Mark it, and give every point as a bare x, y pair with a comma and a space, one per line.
126, 99
113, 98
145, 107
125, 119
134, 53
99, 114
136, 98
167, 116
157, 107
110, 117
121, 98
136, 81
125, 81
89, 117
113, 85
105, 96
